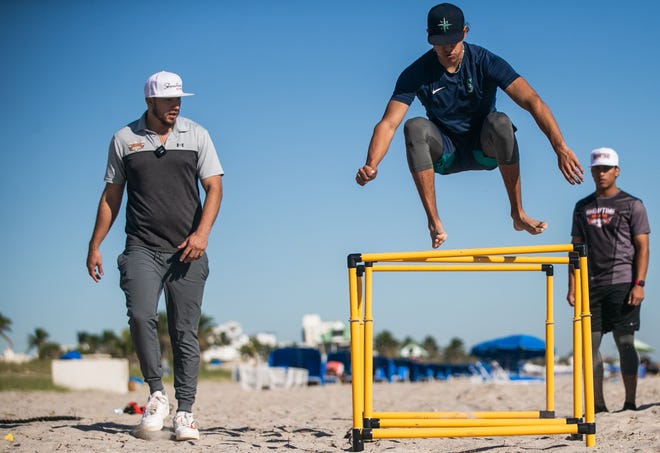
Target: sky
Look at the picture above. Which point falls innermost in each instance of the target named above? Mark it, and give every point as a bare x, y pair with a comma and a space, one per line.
290, 92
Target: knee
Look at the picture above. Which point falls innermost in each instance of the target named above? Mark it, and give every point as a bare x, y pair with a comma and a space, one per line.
499, 123
139, 319
626, 348
498, 138
415, 127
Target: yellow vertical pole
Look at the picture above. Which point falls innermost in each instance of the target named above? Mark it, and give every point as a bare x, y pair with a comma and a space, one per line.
590, 415
360, 335
549, 344
368, 341
356, 338
577, 346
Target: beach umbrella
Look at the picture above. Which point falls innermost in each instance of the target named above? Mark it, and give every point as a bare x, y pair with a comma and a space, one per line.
510, 351
640, 346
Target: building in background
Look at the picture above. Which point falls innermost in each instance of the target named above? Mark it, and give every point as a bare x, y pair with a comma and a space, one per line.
328, 335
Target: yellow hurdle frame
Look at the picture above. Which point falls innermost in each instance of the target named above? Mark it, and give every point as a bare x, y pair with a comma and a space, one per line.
369, 424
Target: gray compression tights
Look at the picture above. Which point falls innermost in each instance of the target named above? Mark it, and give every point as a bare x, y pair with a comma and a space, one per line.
424, 141
625, 344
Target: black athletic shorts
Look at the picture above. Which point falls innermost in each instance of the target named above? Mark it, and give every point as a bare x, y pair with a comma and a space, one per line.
610, 310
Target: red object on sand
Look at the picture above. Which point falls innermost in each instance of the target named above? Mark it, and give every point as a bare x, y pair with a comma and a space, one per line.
133, 408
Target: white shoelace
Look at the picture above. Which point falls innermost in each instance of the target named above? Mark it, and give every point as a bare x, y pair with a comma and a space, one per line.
152, 405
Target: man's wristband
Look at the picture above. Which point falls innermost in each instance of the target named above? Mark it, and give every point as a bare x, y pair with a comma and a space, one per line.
640, 283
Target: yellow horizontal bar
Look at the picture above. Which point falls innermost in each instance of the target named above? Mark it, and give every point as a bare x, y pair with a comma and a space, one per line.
456, 267
477, 415
408, 433
467, 422
502, 259
425, 254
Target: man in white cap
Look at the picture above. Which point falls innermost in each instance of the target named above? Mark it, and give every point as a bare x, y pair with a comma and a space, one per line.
615, 227
456, 82
160, 159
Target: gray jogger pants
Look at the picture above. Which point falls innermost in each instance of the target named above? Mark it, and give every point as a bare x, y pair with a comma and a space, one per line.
144, 275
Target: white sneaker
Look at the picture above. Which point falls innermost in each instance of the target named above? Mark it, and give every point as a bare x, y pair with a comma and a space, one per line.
185, 427
157, 408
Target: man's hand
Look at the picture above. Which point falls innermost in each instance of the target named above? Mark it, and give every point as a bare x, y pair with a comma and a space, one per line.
636, 295
570, 298
193, 247
366, 174
570, 167
94, 264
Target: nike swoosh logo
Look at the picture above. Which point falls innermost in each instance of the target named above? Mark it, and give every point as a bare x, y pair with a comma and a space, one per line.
437, 89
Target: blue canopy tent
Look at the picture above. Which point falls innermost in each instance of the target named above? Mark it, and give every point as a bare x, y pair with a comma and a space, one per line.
510, 351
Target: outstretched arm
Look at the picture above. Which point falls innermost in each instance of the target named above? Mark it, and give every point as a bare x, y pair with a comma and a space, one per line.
195, 245
525, 96
380, 140
107, 213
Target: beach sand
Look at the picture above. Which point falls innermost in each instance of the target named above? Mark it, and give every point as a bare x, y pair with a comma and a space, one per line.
318, 418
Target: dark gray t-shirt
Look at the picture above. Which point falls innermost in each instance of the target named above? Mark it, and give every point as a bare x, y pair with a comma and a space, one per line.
608, 226
163, 205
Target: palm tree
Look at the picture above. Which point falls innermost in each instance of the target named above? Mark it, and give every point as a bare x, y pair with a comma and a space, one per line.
125, 345
386, 344
205, 332
5, 326
37, 339
455, 352
255, 349
109, 342
164, 337
45, 349
88, 342
431, 347
50, 350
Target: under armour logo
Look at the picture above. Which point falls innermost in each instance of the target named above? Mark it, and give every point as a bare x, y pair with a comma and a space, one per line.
180, 145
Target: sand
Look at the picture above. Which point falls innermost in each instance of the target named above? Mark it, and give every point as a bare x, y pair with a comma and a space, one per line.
317, 419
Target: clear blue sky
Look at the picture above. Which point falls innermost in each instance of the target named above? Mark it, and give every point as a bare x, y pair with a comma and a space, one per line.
290, 92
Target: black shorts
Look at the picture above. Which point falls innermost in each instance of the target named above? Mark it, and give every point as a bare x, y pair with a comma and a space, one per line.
610, 310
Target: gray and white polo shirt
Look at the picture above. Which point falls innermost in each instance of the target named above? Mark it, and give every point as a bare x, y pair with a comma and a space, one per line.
163, 205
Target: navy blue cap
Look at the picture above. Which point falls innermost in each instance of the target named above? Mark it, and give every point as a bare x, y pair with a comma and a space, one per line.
445, 24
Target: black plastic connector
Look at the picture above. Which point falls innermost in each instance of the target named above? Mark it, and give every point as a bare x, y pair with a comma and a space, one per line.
357, 442
371, 423
581, 249
353, 259
587, 428
549, 269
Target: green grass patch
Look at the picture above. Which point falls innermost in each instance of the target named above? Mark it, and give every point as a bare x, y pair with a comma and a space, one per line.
37, 375
214, 374
33, 375
219, 374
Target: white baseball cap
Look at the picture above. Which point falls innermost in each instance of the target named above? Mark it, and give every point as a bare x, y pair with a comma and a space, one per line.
604, 156
164, 85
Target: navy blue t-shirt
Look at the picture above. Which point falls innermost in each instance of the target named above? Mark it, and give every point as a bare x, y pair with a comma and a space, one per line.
457, 103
